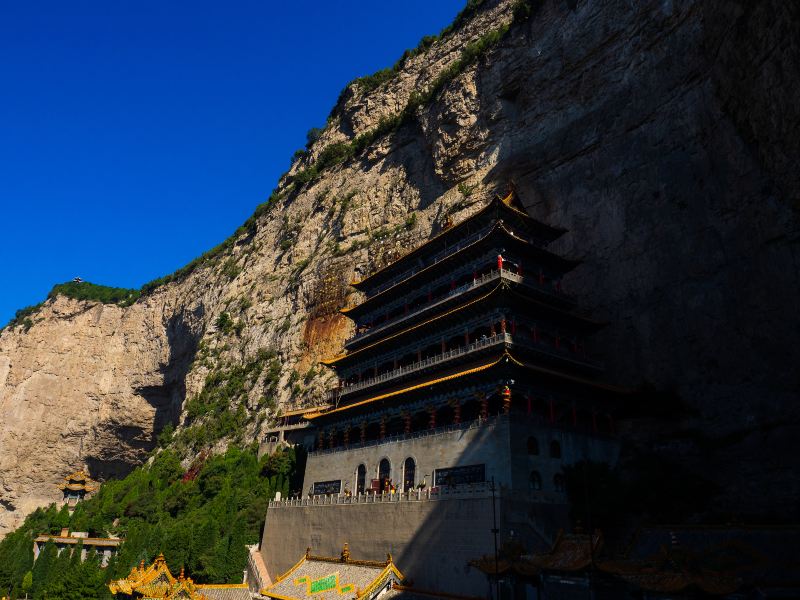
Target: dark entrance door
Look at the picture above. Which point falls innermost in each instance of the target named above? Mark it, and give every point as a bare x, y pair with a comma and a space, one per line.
361, 478
409, 473
384, 472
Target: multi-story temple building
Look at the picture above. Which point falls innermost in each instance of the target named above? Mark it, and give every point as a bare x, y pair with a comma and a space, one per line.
469, 331
468, 365
76, 487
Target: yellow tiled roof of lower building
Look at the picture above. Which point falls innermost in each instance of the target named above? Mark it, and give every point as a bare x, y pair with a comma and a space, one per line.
326, 578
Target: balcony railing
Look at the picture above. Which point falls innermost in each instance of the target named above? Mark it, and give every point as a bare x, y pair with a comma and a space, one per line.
467, 490
500, 338
492, 275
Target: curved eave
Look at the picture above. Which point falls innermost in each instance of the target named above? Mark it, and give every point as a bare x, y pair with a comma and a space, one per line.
587, 323
333, 361
505, 202
565, 265
545, 372
411, 388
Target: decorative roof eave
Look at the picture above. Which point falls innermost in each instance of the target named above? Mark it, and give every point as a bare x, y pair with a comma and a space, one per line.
495, 202
438, 380
544, 371
586, 321
386, 567
88, 541
332, 362
567, 264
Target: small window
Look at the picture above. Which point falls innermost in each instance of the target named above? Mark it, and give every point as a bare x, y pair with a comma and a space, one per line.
558, 482
555, 449
536, 481
533, 446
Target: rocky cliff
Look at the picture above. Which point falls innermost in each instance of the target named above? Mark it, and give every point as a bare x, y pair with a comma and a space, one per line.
663, 135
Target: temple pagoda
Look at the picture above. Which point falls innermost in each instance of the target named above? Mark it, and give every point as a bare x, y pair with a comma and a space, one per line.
468, 363
76, 486
156, 582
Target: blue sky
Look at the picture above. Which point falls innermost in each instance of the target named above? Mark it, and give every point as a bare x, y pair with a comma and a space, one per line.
134, 136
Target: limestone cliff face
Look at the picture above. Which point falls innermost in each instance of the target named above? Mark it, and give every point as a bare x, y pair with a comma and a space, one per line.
663, 135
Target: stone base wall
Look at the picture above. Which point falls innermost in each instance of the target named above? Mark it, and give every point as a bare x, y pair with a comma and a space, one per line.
431, 541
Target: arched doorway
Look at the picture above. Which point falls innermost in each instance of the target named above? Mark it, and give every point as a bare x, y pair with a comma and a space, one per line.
384, 473
409, 474
361, 479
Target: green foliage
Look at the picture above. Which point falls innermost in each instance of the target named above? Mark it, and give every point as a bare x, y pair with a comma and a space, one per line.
98, 293
230, 268
22, 318
203, 524
224, 323
466, 190
374, 81
218, 411
312, 135
27, 582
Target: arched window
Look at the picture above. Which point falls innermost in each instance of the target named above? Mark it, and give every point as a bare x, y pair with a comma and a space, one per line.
361, 479
558, 482
409, 473
533, 446
555, 449
536, 481
384, 473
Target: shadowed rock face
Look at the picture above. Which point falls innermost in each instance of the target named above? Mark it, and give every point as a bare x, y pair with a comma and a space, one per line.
663, 135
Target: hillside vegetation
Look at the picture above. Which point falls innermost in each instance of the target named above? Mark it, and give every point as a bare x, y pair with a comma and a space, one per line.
201, 519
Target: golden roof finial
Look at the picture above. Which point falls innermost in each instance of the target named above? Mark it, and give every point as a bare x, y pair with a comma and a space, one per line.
180, 577
141, 565
388, 558
345, 552
308, 552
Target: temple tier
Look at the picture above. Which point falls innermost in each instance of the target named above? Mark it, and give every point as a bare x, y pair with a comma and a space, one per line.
468, 363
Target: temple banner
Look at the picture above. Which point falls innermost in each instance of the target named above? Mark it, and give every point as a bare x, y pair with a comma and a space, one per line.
460, 475
323, 488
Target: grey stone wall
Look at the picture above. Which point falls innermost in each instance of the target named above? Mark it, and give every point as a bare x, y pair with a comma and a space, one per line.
431, 541
500, 444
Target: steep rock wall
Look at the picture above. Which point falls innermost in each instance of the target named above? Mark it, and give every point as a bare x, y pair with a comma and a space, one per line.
663, 135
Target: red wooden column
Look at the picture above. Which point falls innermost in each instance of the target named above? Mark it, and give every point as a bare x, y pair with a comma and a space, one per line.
457, 412
363, 431
466, 338
499, 262
503, 325
346, 436
321, 439
383, 427
444, 346
484, 407
506, 395
432, 417
407, 422
331, 438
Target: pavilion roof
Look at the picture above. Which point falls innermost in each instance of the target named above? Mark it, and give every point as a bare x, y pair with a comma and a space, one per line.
156, 582
505, 204
498, 229
326, 578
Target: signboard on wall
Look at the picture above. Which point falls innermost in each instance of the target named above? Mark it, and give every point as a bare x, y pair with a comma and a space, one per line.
460, 475
323, 488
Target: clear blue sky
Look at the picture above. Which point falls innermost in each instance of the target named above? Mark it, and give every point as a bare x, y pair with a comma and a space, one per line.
136, 135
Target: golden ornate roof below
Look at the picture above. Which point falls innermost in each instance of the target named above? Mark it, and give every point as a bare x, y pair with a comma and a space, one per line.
157, 582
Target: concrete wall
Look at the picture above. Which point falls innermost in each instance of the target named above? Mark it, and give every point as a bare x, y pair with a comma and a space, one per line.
431, 541
486, 444
500, 444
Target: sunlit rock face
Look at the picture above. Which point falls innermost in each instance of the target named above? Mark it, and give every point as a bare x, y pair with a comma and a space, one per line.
663, 135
